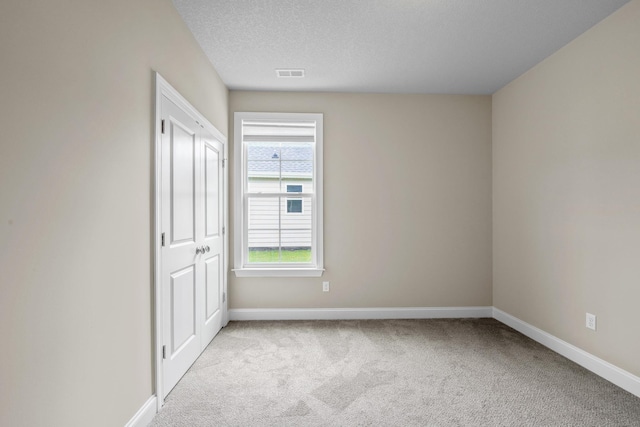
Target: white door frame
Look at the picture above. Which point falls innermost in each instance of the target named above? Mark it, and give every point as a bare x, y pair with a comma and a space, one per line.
163, 88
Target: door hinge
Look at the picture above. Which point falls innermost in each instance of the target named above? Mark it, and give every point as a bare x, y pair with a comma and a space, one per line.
164, 351
224, 230
162, 239
223, 162
162, 126
224, 297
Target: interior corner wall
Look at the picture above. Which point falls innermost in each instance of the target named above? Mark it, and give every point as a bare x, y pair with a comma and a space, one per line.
566, 174
407, 202
76, 170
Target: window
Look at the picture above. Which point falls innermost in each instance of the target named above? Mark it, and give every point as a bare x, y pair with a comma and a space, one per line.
294, 205
278, 233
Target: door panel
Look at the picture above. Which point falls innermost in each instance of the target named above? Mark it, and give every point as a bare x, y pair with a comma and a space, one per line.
213, 237
212, 203
212, 287
183, 193
182, 269
183, 308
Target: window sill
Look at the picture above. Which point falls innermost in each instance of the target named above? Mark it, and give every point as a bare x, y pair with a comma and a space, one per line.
278, 272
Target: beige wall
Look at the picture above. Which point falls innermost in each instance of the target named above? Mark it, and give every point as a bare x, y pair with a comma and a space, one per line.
407, 202
76, 115
407, 198
566, 158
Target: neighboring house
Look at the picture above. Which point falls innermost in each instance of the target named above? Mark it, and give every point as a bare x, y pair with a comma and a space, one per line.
277, 221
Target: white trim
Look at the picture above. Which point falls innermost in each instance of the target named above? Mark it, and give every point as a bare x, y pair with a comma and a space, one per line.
602, 368
358, 313
225, 211
163, 88
278, 272
145, 414
157, 265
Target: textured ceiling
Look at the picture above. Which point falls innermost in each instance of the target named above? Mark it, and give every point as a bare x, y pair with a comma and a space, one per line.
398, 46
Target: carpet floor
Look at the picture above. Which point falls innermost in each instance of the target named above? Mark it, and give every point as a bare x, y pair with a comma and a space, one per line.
444, 372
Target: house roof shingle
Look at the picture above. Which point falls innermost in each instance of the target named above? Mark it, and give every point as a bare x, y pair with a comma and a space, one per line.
269, 160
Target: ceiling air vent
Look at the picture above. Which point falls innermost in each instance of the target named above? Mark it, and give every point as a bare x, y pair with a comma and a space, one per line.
290, 72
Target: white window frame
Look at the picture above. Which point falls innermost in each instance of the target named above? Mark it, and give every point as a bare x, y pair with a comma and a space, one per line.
316, 267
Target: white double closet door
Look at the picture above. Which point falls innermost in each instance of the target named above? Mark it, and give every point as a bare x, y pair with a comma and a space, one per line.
192, 220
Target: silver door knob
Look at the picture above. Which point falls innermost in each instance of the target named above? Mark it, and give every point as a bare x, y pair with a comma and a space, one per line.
199, 251
207, 248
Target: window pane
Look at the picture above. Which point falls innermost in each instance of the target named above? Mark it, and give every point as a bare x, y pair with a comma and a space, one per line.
266, 166
294, 206
296, 234
263, 185
294, 188
297, 169
274, 235
296, 254
263, 234
263, 176
264, 255
295, 151
264, 215
263, 151
263, 168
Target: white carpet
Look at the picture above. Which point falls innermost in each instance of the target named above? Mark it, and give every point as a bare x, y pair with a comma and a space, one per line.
471, 372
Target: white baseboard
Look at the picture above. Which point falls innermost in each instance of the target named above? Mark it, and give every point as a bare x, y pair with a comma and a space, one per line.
606, 370
145, 414
358, 313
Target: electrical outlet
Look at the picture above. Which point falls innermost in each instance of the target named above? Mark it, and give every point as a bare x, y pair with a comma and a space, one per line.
591, 321
325, 286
